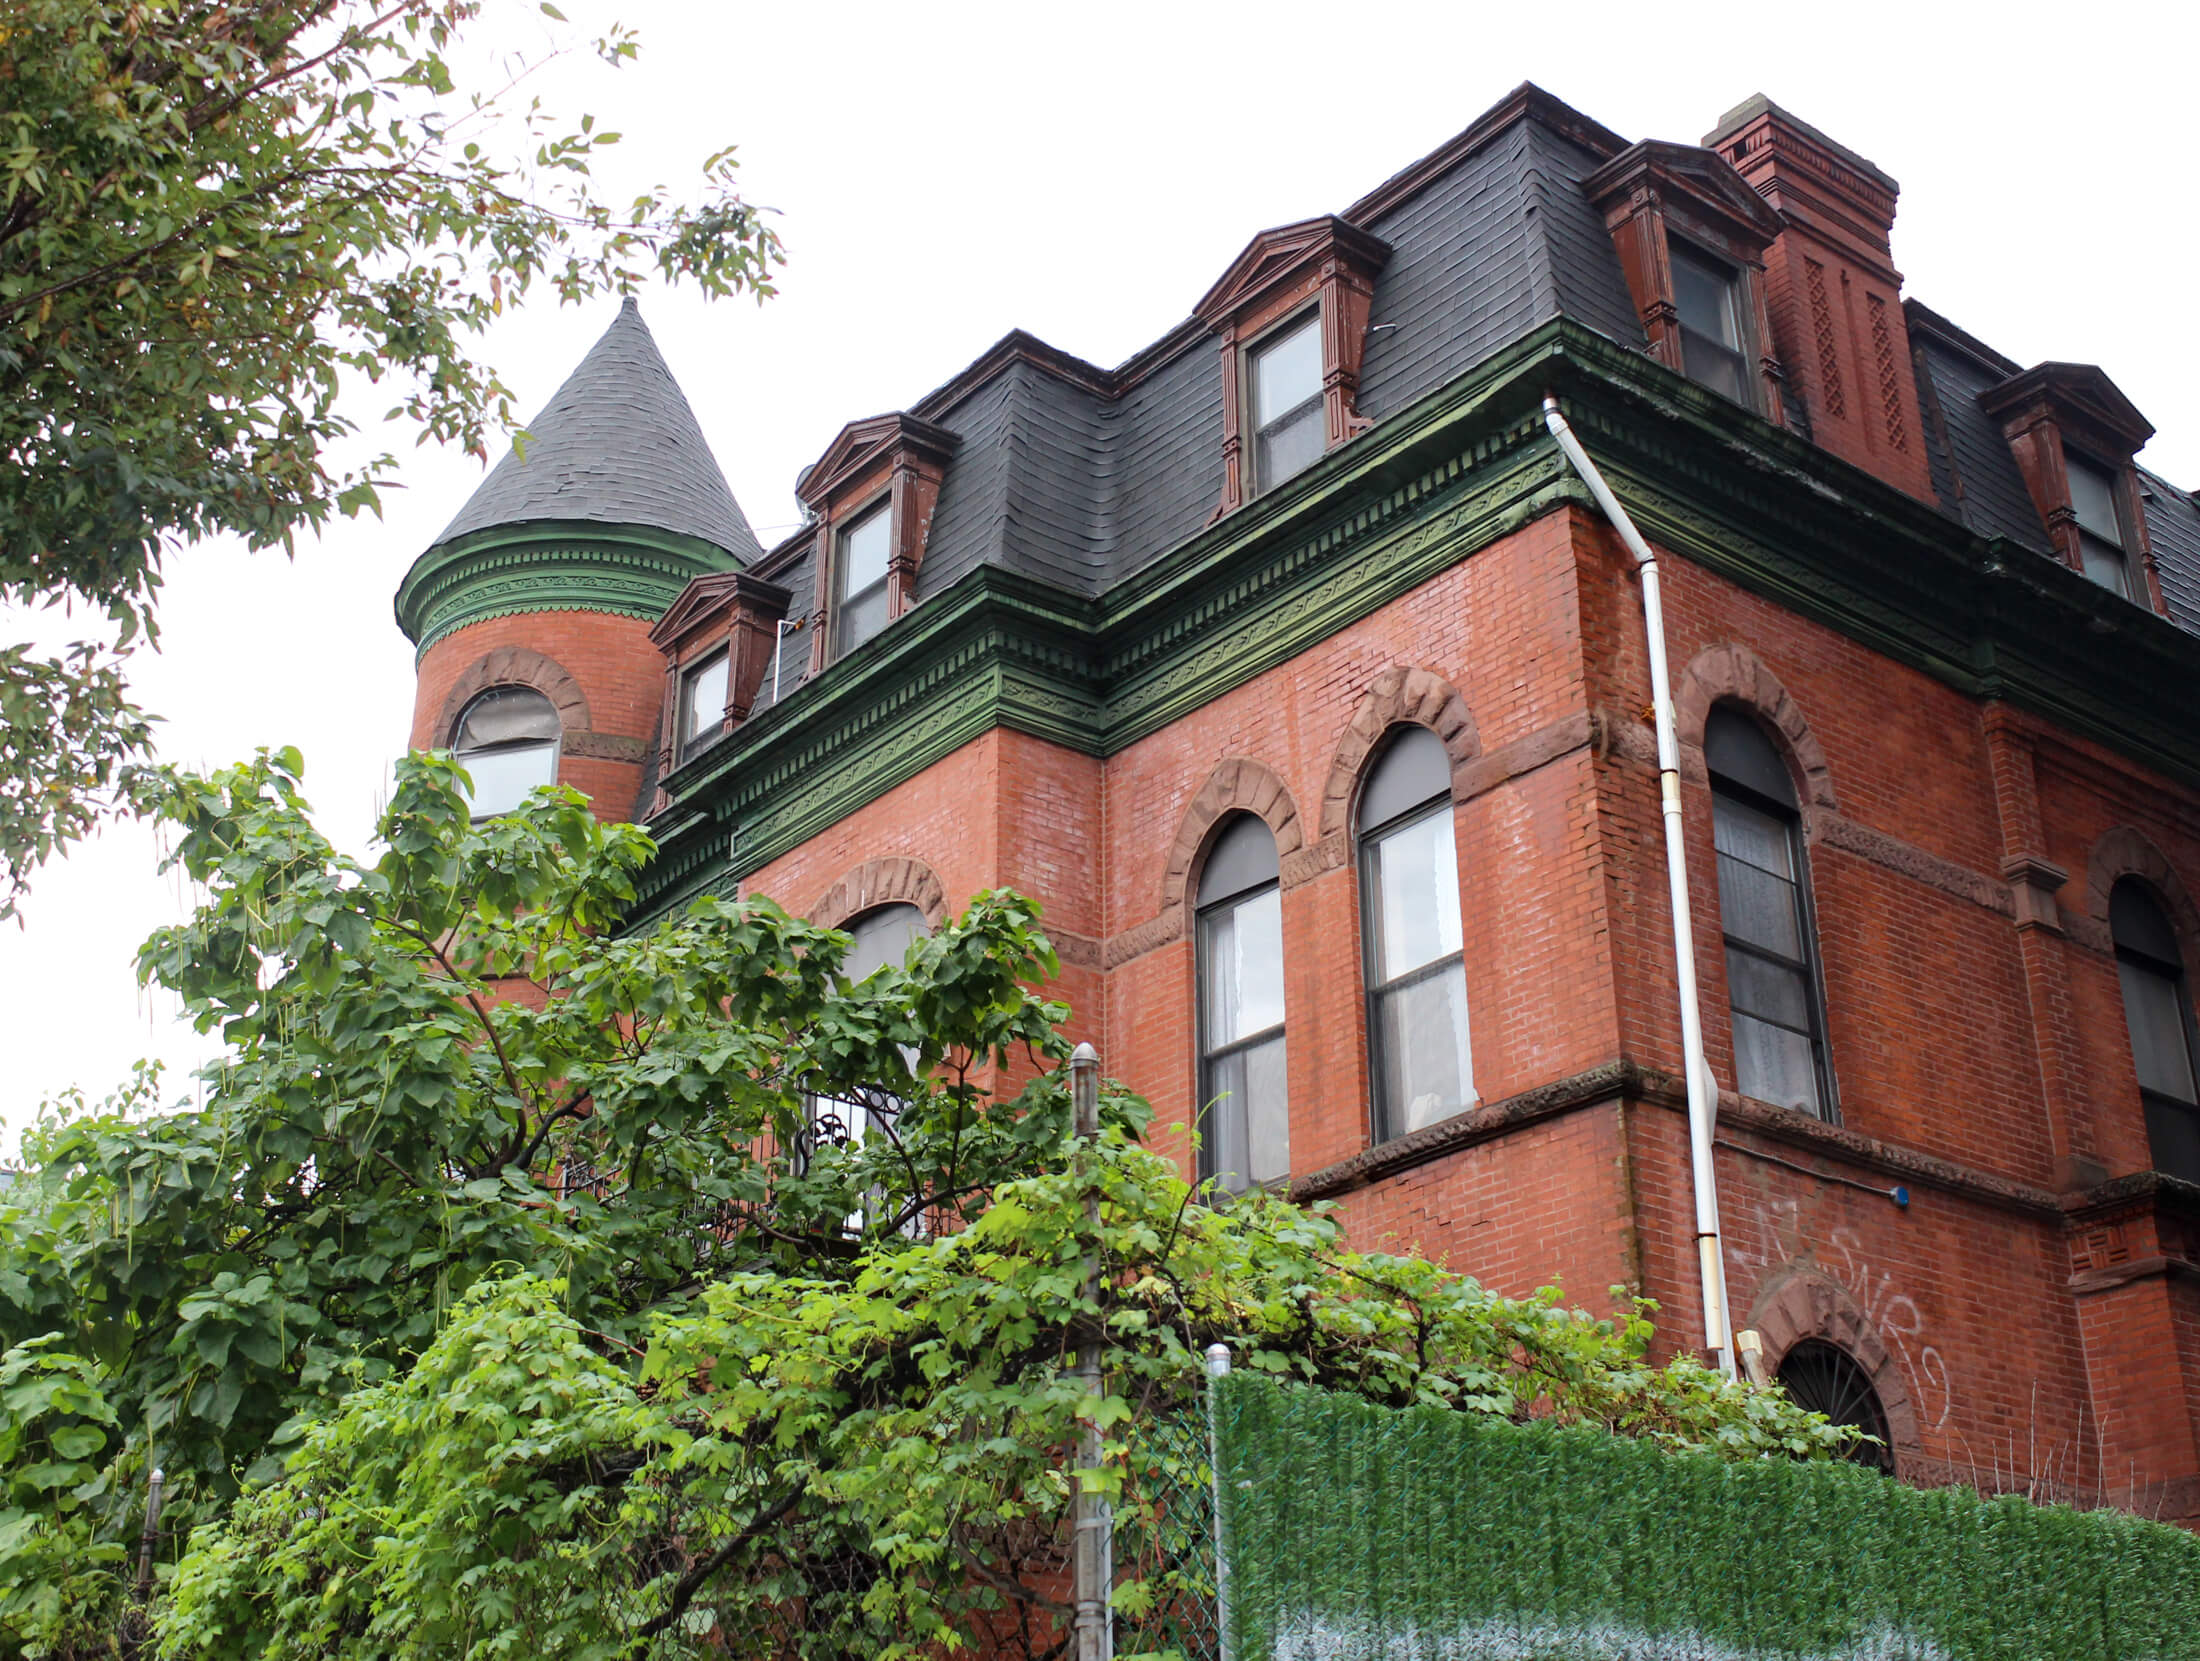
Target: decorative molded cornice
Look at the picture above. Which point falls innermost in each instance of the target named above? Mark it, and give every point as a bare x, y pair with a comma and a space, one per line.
860, 445
550, 565
1376, 518
1702, 176
1277, 258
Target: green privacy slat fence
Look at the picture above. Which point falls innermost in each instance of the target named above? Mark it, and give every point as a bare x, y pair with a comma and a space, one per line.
1352, 1533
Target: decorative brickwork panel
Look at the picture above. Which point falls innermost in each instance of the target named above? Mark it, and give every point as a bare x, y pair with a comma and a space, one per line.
1828, 341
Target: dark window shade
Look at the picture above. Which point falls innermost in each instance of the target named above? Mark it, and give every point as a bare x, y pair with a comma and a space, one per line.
2141, 927
1736, 748
1242, 857
1413, 769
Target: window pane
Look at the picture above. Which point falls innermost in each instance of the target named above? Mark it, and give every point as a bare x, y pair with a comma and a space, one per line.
863, 551
1413, 771
2093, 499
508, 715
1248, 1126
1769, 991
502, 777
2160, 1047
1241, 950
1722, 369
1421, 1031
882, 937
704, 695
862, 616
1737, 751
1287, 371
1703, 294
1289, 447
1774, 1064
2173, 1133
2105, 564
1242, 857
1750, 834
1759, 908
1417, 889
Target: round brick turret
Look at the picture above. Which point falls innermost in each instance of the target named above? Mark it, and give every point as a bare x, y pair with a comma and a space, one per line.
550, 577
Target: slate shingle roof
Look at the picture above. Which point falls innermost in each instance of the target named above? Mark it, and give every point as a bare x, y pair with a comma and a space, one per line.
616, 445
1084, 476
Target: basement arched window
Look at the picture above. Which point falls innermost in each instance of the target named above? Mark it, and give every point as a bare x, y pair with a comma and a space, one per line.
1772, 973
1245, 1104
2158, 1017
507, 740
1825, 1378
1409, 908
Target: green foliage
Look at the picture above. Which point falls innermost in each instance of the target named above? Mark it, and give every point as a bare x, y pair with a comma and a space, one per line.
212, 217
509, 1290
1349, 1527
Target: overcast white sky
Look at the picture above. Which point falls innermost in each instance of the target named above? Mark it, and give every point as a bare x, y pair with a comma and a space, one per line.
947, 172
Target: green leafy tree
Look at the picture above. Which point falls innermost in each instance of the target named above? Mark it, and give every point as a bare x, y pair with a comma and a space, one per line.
213, 215
517, 1284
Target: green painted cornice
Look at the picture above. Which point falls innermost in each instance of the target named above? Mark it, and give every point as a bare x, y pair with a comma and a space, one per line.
550, 565
1428, 487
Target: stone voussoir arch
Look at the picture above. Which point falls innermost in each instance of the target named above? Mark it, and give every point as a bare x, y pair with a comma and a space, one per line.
1803, 1301
515, 666
894, 879
1398, 696
1238, 785
1734, 674
2128, 852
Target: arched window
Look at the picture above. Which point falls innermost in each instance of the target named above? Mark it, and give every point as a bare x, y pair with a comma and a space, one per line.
507, 740
1409, 903
1827, 1379
2158, 1015
1772, 972
882, 936
1245, 1129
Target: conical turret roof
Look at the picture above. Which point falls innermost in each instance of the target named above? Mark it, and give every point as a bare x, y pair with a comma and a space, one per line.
616, 445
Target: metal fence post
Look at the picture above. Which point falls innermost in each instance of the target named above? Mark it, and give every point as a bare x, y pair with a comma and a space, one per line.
1093, 1537
1218, 1366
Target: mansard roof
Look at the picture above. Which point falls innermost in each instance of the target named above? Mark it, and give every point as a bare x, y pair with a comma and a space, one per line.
616, 445
1085, 476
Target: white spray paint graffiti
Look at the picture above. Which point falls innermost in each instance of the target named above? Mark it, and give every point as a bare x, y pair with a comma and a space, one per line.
1892, 1310
1896, 1314
1332, 1638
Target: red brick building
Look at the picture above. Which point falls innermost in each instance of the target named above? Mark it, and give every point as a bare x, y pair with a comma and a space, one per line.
1295, 671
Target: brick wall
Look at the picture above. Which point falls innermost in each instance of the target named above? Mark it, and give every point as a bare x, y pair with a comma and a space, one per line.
1978, 1047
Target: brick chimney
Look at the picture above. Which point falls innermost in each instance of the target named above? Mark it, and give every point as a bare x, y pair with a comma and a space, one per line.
1833, 293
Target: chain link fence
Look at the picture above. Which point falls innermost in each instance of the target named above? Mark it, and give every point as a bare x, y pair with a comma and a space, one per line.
1165, 1542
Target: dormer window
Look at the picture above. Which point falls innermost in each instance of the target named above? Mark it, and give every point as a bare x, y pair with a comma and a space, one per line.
872, 494
1291, 316
1706, 299
1289, 433
862, 553
2073, 434
1691, 240
703, 702
2100, 528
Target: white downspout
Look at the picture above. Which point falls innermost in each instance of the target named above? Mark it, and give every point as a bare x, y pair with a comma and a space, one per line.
1702, 1097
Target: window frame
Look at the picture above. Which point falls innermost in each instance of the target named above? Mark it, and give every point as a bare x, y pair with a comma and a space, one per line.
1682, 250
1205, 1056
842, 527
693, 742
556, 745
1373, 990
2151, 1100
1249, 352
1812, 965
2078, 460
